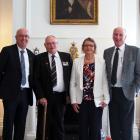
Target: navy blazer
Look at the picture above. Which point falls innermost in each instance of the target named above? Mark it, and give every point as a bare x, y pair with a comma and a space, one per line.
42, 75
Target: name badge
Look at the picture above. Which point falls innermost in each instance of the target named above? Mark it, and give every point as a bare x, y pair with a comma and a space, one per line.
65, 63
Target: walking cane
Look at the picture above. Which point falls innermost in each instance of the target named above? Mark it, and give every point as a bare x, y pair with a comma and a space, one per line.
44, 122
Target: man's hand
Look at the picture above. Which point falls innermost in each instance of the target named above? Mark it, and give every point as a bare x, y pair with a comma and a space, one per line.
103, 104
43, 101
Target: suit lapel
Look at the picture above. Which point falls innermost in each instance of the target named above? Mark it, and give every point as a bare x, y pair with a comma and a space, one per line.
110, 54
47, 62
29, 56
30, 61
16, 55
125, 58
62, 59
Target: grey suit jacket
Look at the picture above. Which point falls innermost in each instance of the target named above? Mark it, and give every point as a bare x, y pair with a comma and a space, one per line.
130, 71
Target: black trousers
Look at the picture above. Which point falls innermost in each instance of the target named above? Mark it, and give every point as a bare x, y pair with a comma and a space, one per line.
55, 118
121, 114
90, 121
15, 113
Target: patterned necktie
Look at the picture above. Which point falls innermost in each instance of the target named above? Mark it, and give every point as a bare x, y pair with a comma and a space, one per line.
53, 72
22, 63
114, 67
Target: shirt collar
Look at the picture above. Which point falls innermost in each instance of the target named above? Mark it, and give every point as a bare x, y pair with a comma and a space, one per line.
56, 54
19, 49
121, 48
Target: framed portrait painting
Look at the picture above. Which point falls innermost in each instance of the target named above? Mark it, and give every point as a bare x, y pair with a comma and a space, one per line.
74, 11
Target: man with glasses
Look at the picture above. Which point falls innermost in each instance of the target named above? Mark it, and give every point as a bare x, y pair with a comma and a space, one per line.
52, 77
16, 73
123, 73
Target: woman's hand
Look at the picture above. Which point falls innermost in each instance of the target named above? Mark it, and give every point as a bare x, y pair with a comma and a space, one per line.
76, 107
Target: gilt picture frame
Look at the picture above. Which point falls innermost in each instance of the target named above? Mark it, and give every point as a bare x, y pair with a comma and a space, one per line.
74, 12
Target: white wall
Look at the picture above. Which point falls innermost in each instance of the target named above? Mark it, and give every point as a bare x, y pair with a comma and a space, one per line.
130, 19
36, 18
35, 15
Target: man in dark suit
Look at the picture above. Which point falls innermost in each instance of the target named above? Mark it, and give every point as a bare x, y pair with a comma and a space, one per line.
16, 69
123, 72
70, 9
52, 90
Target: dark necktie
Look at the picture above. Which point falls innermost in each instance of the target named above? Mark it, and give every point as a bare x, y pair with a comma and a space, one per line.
53, 72
114, 67
22, 63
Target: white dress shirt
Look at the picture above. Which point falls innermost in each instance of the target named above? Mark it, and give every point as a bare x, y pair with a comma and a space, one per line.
59, 70
26, 58
120, 64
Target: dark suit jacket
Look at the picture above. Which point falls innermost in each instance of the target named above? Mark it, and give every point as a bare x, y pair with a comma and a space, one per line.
78, 12
130, 71
10, 73
43, 82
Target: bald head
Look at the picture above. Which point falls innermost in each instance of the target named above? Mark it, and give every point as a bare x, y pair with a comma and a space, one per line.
22, 30
119, 36
119, 29
50, 37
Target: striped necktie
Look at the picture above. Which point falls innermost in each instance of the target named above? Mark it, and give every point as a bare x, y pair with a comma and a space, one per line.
53, 71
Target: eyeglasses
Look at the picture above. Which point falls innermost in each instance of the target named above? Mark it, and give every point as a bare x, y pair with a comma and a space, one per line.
88, 45
51, 43
22, 36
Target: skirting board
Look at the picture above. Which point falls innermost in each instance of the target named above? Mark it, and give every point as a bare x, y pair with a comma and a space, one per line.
27, 137
30, 137
136, 133
1, 125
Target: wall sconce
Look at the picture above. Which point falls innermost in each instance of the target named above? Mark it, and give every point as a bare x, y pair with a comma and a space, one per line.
36, 51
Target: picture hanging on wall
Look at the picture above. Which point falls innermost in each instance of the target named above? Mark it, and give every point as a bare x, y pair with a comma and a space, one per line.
74, 12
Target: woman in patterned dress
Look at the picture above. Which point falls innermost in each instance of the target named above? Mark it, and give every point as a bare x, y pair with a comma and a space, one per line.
89, 91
